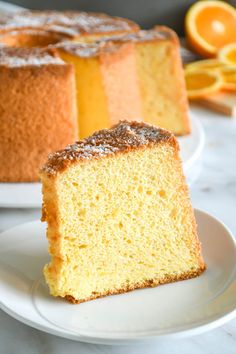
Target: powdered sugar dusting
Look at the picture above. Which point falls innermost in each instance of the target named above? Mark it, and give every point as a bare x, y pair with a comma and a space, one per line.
30, 60
123, 137
73, 21
87, 50
158, 33
18, 57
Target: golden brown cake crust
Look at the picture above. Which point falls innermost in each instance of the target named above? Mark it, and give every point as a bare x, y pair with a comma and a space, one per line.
123, 137
34, 99
146, 284
72, 23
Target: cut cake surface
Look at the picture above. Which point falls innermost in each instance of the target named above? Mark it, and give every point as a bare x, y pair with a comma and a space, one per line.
160, 76
119, 214
136, 75
107, 83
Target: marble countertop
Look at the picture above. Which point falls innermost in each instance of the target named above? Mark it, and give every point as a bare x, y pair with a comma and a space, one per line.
214, 191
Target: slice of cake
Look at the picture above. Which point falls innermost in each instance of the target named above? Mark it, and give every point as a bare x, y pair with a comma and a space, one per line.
161, 78
107, 83
119, 215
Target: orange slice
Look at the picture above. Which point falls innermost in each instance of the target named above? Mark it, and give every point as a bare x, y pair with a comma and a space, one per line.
228, 54
210, 25
213, 64
229, 78
202, 83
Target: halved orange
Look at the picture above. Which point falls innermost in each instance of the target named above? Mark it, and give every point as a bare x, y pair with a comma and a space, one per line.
212, 64
202, 83
228, 54
210, 25
229, 78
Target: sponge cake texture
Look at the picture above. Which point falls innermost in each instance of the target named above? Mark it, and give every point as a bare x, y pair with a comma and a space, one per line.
119, 214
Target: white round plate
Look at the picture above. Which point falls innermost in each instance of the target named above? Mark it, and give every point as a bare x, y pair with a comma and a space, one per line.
20, 195
28, 195
191, 145
173, 310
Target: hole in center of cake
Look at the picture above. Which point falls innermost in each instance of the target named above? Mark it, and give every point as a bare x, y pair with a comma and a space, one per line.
30, 38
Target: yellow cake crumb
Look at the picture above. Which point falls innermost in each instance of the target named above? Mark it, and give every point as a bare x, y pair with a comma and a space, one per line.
119, 214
